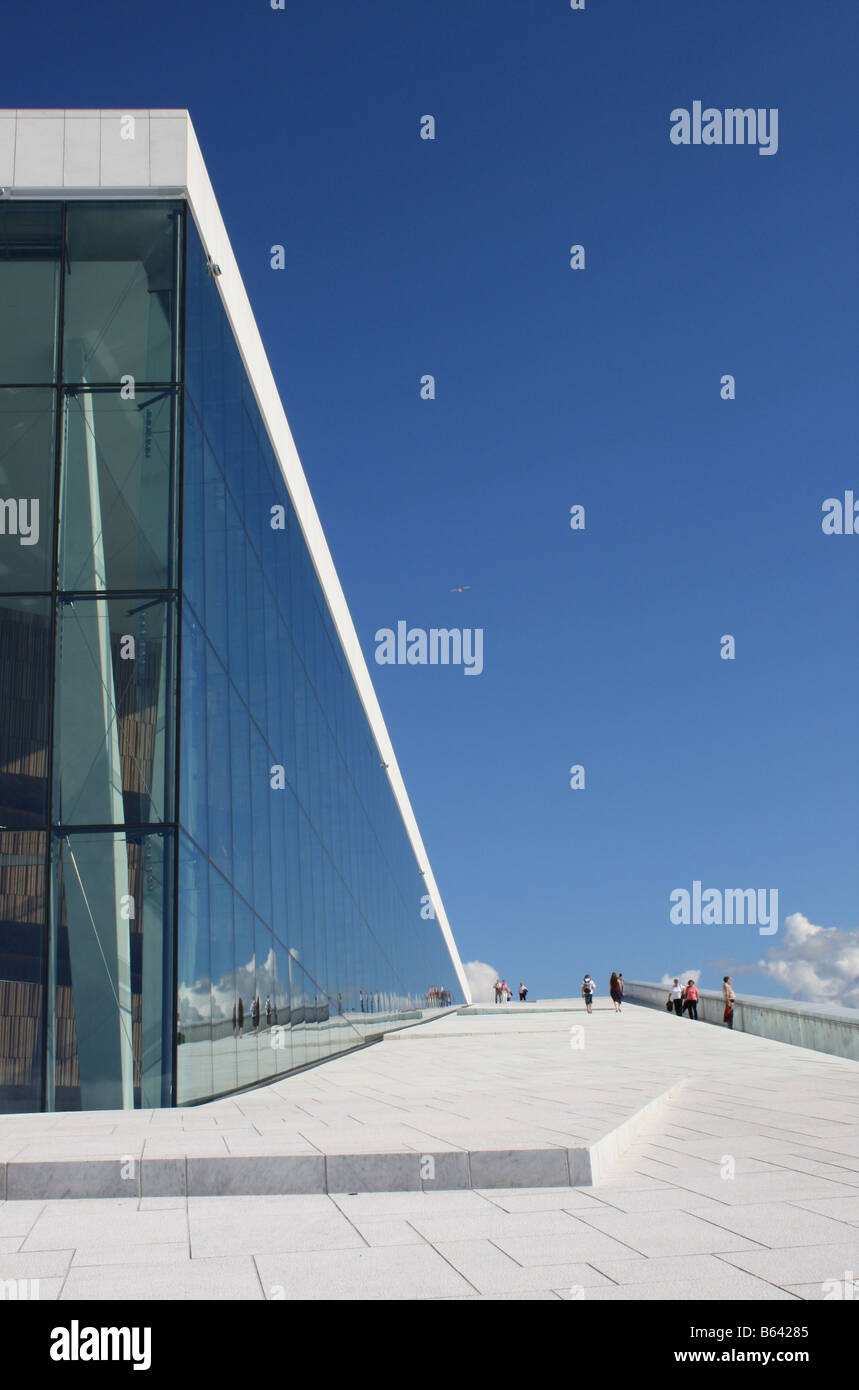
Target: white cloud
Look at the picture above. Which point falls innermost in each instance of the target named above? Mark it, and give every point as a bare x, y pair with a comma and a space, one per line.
481, 979
817, 964
684, 976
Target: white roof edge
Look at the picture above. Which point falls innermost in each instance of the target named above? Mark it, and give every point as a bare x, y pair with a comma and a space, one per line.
180, 153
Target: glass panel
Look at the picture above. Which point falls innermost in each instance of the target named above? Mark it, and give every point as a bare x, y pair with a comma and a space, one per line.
248, 992
277, 862
257, 600
117, 504
152, 963
293, 935
212, 405
25, 657
263, 797
193, 516
225, 426
278, 543
236, 575
215, 522
197, 351
280, 1034
30, 244
27, 421
121, 292
267, 990
23, 907
316, 939
193, 778
228, 1010
194, 1004
284, 697
218, 764
257, 499
111, 940
113, 721
240, 758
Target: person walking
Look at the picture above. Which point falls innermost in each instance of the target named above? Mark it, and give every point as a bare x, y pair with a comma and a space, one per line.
729, 996
675, 994
523, 992
497, 990
506, 992
616, 992
588, 988
690, 1000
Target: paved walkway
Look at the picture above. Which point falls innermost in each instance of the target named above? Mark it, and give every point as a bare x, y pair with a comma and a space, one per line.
745, 1185
480, 1098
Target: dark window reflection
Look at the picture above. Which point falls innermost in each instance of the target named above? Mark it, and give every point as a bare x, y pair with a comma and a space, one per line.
25, 639
23, 904
30, 245
120, 300
26, 489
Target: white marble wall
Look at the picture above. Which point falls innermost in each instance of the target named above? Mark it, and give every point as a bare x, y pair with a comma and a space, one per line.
93, 150
821, 1027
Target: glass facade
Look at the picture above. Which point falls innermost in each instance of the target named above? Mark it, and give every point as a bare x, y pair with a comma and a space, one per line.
205, 879
90, 396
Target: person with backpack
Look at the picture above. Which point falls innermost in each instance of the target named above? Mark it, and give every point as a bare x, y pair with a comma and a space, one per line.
690, 1000
588, 988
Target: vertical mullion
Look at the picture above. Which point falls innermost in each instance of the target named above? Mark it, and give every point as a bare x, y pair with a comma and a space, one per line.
48, 974
178, 583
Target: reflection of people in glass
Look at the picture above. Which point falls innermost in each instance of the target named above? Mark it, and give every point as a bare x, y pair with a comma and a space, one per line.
255, 1012
268, 1011
240, 1015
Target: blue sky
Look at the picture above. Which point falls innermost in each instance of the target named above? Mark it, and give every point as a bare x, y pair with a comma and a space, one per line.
556, 387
